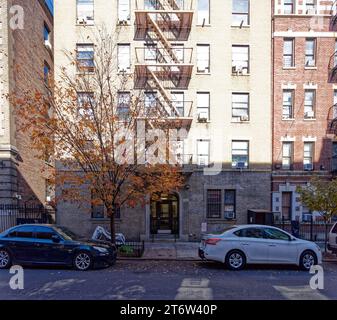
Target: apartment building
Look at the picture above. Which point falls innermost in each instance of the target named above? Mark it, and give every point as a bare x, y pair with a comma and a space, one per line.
305, 97
26, 59
220, 52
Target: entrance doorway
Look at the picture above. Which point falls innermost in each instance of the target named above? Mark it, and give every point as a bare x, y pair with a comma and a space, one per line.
165, 215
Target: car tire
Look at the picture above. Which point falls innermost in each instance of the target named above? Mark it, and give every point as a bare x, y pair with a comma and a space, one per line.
5, 259
235, 260
83, 261
307, 260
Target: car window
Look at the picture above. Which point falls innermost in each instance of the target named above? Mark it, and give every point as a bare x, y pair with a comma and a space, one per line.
24, 232
44, 233
250, 233
276, 234
334, 229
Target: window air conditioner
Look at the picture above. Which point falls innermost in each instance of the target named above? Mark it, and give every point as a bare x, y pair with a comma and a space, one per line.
230, 215
202, 117
308, 167
244, 118
309, 114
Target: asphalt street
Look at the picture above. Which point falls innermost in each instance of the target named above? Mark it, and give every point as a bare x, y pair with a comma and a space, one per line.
169, 280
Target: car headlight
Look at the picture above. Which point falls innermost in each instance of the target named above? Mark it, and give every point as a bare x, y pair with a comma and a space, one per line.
101, 250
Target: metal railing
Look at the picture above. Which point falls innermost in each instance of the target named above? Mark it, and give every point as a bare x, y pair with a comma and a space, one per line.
177, 5
153, 56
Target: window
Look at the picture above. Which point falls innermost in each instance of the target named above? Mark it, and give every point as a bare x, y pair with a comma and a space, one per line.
46, 34
229, 204
255, 233
85, 58
240, 106
309, 104
203, 12
124, 10
308, 159
310, 52
287, 155
85, 103
150, 102
288, 104
288, 53
203, 106
276, 234
85, 12
46, 73
240, 12
203, 57
334, 156
289, 6
178, 101
240, 154
123, 106
310, 6
240, 59
24, 232
43, 233
203, 147
124, 63
97, 208
151, 4
214, 204
286, 205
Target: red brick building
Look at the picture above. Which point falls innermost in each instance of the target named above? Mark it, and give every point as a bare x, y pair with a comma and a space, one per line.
305, 92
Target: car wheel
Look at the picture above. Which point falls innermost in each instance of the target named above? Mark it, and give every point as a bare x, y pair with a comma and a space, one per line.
235, 260
5, 259
307, 260
83, 261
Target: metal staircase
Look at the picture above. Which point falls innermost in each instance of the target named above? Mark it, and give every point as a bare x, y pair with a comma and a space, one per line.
160, 65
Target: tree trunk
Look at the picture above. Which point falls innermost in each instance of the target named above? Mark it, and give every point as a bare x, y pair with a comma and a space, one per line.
111, 214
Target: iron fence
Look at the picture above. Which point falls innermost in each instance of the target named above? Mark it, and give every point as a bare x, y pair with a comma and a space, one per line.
131, 249
13, 215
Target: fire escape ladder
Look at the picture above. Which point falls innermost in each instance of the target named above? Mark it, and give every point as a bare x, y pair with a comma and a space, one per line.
166, 44
163, 93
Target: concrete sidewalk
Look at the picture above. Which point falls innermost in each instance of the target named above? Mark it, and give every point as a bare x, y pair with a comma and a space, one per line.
181, 251
185, 251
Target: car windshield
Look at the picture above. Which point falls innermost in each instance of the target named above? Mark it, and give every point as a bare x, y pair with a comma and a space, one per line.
66, 233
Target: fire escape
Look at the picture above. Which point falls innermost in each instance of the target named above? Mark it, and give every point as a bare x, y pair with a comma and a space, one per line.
164, 65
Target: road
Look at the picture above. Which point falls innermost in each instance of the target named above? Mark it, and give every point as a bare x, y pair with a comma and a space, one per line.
149, 280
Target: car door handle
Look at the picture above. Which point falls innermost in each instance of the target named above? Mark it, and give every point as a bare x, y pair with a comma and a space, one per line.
272, 245
37, 244
245, 244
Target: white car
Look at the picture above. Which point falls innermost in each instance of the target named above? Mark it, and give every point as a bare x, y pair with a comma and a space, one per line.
332, 246
256, 244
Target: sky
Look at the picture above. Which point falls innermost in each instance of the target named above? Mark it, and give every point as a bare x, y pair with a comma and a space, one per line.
50, 5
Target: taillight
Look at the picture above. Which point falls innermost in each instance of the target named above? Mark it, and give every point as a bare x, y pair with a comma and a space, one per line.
213, 241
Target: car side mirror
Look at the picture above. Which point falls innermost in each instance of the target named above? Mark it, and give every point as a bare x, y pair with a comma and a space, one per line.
56, 239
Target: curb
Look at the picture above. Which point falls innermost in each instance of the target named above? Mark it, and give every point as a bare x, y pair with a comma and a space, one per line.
159, 259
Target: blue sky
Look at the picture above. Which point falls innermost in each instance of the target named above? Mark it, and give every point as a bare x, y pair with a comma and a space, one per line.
50, 5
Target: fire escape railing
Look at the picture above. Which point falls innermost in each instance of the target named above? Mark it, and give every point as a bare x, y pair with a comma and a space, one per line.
332, 120
333, 19
332, 68
160, 65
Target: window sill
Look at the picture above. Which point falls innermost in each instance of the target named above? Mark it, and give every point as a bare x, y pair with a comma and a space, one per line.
288, 119
204, 122
246, 121
203, 73
203, 25
309, 119
310, 68
85, 24
240, 27
240, 75
289, 68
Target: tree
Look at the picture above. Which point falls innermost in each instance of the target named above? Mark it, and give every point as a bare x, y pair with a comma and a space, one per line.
100, 133
321, 196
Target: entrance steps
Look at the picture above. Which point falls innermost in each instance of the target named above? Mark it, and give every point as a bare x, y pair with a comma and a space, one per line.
164, 238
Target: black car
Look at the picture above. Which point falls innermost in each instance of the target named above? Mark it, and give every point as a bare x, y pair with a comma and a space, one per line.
52, 245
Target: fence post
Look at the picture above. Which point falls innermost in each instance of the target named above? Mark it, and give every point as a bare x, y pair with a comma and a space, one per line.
311, 227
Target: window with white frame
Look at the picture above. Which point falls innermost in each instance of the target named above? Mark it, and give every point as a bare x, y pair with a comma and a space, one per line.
85, 104
85, 57
309, 104
123, 105
203, 106
203, 57
124, 10
203, 12
310, 52
240, 13
289, 7
240, 154
85, 12
203, 152
288, 104
124, 63
240, 106
308, 159
178, 101
287, 155
310, 6
240, 59
288, 53
150, 101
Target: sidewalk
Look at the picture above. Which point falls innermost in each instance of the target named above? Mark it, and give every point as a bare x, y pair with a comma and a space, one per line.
178, 251
185, 251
